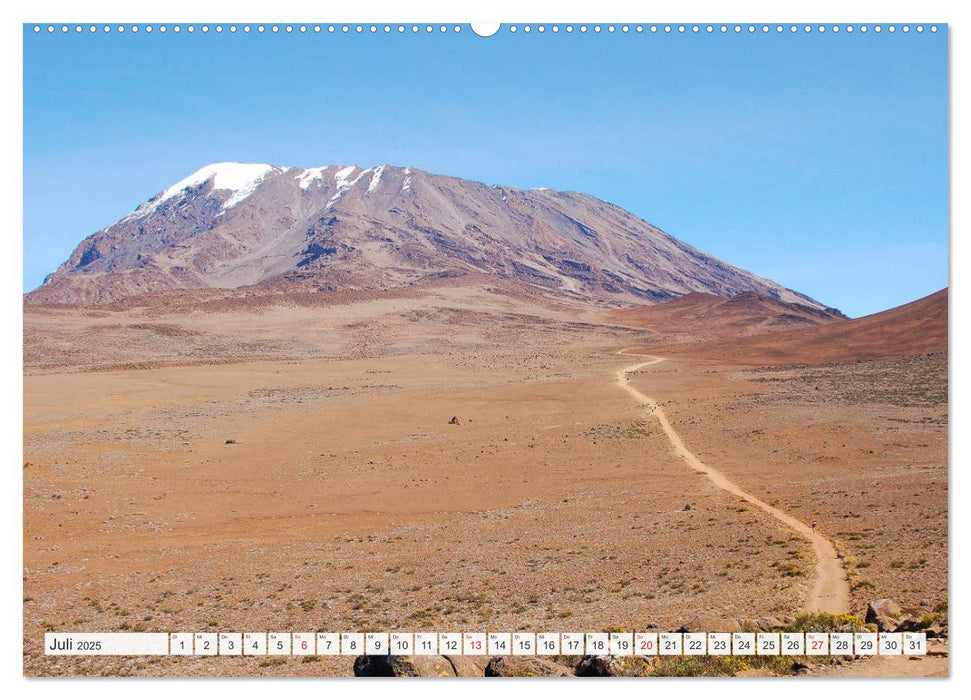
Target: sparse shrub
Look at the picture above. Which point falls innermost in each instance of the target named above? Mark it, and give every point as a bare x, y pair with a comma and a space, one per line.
826, 622
698, 666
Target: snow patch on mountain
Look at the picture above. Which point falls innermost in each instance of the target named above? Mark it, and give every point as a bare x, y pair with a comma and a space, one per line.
344, 183
342, 175
311, 175
241, 179
376, 178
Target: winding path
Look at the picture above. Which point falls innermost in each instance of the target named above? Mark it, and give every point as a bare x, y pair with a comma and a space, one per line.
831, 592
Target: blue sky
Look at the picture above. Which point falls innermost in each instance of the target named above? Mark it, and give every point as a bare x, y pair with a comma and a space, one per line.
817, 160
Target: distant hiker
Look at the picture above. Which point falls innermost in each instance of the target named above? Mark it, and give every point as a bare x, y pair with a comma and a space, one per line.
813, 526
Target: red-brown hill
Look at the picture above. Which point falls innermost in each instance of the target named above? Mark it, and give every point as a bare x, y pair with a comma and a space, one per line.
916, 328
710, 316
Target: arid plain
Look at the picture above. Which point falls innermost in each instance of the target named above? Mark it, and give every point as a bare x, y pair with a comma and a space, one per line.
462, 456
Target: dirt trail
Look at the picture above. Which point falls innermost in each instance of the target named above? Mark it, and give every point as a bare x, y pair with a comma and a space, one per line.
831, 592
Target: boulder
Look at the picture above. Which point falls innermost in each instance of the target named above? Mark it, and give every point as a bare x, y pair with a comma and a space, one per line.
524, 667
727, 625
403, 666
748, 626
908, 624
371, 666
469, 666
769, 624
599, 666
883, 613
710, 624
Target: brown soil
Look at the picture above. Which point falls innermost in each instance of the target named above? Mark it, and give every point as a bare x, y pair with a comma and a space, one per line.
296, 468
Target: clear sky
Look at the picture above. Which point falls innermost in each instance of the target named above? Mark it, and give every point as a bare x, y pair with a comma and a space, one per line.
816, 160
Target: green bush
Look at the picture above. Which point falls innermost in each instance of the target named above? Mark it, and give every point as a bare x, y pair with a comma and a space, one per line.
826, 622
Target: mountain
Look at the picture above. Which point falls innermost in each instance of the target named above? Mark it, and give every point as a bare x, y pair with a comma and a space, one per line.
919, 327
236, 225
701, 314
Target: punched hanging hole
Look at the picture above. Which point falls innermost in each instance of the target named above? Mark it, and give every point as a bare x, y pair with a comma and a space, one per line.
485, 29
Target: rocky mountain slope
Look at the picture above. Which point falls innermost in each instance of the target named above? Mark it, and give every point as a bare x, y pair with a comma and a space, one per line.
235, 225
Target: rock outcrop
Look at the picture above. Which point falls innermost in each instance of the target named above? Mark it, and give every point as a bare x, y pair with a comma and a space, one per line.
524, 667
883, 613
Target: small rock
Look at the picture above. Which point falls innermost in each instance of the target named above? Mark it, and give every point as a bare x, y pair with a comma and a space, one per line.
687, 506
801, 669
230, 442
454, 421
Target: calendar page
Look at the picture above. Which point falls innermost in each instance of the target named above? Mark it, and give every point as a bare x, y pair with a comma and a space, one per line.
437, 349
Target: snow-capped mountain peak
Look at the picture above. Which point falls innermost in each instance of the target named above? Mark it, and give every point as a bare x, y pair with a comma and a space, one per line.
232, 225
